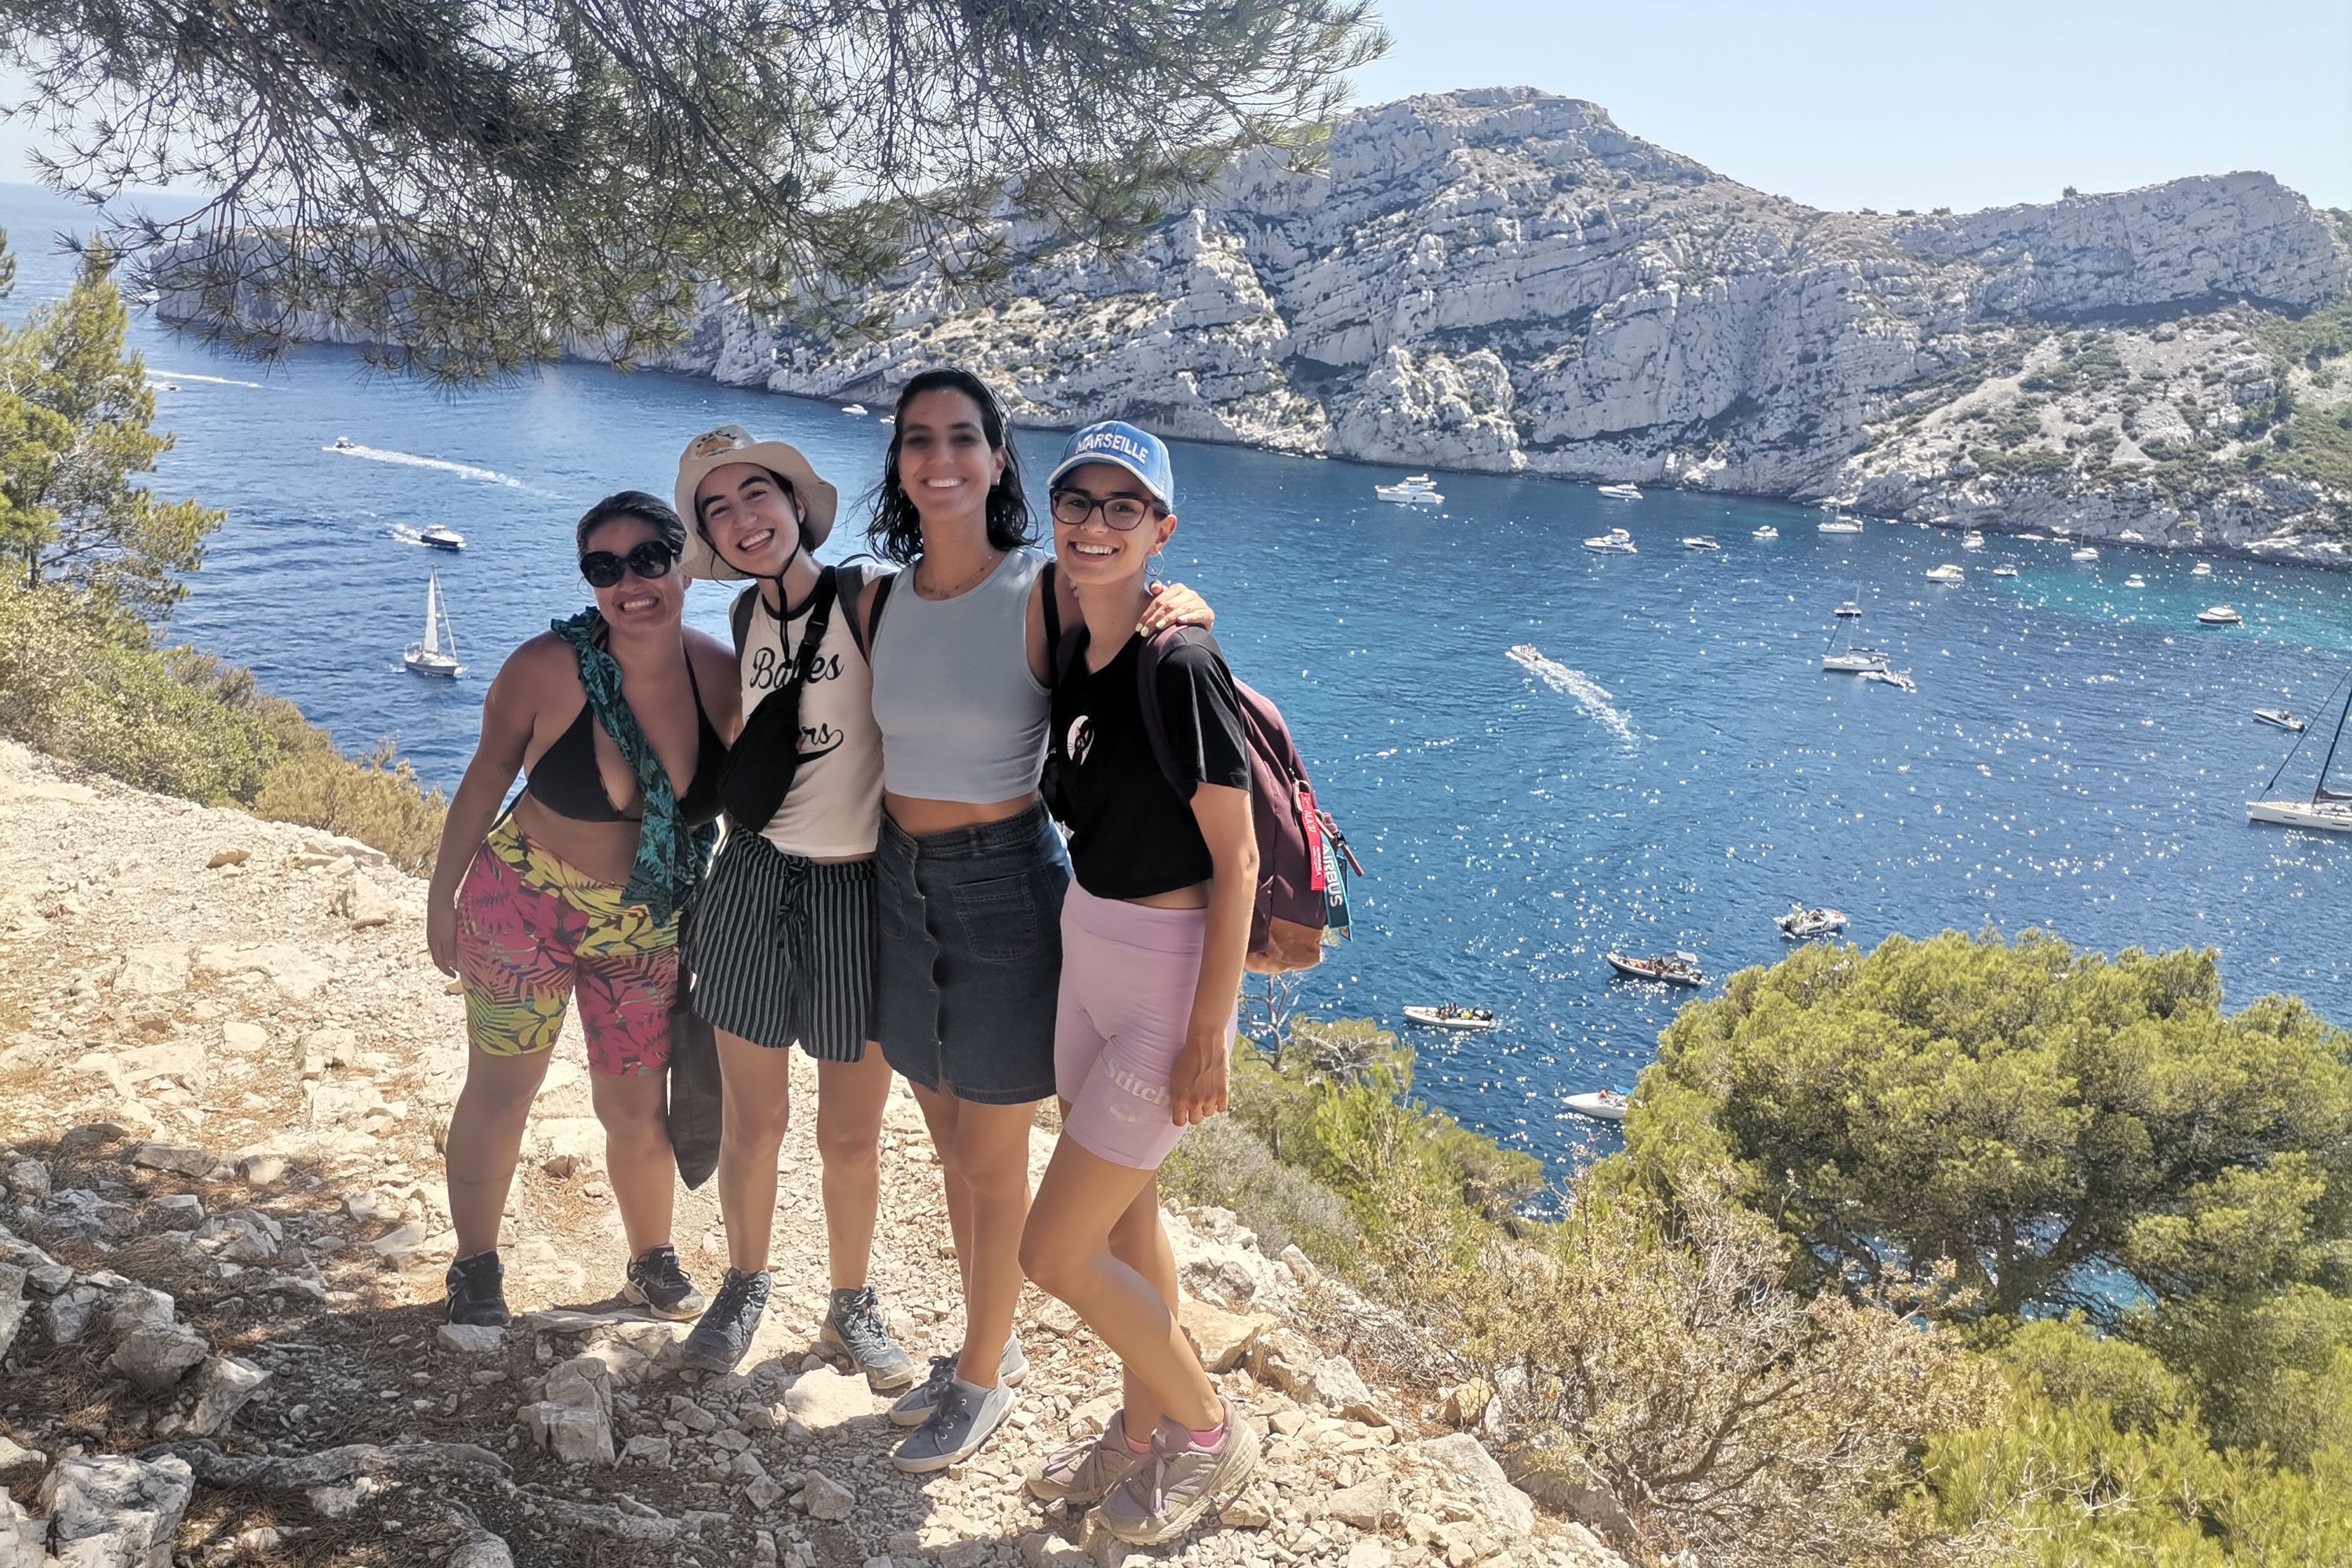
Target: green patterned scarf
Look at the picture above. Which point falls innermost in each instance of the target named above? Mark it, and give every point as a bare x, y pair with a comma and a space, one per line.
671, 857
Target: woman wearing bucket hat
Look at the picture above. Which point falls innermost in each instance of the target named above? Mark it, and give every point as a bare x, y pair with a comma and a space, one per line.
970, 872
618, 717
781, 948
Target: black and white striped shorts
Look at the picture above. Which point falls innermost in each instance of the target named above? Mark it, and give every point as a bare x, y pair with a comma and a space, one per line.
782, 949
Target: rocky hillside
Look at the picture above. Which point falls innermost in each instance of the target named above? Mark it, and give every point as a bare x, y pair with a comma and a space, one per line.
1503, 280
223, 1067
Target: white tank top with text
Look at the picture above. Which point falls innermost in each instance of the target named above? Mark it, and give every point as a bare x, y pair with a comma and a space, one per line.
834, 809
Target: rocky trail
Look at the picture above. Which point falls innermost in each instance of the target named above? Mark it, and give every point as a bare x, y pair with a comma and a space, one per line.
224, 1062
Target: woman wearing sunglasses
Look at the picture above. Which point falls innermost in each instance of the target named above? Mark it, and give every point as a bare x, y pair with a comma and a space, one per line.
616, 718
970, 872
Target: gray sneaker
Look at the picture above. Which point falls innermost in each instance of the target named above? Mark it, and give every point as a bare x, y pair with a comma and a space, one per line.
915, 1405
1083, 1473
958, 1423
854, 1328
1166, 1495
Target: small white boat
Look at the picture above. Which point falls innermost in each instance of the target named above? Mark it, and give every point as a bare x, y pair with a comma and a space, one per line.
2219, 616
1853, 661
441, 536
2326, 816
437, 652
1700, 541
1947, 573
1449, 1016
1409, 493
2135, 580
2203, 569
2282, 718
1604, 1103
167, 386
2004, 570
342, 444
1973, 541
857, 408
2036, 538
1621, 492
2132, 536
1677, 968
889, 419
1801, 922
1898, 678
1767, 532
1616, 542
1848, 610
1838, 525
2085, 554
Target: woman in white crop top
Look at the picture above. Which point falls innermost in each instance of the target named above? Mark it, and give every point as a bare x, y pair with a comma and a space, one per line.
970, 870
782, 942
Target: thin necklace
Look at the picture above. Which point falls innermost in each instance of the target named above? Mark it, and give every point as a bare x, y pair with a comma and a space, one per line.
985, 568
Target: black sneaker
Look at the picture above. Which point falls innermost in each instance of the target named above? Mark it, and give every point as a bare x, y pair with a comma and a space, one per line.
657, 1284
725, 1332
476, 1292
854, 1328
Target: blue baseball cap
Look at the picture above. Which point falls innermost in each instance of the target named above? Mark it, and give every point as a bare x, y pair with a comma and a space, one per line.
1115, 441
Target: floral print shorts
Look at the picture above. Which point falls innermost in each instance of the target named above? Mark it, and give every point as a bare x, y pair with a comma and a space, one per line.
532, 930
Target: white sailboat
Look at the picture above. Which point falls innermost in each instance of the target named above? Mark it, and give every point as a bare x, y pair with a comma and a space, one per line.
2329, 810
437, 652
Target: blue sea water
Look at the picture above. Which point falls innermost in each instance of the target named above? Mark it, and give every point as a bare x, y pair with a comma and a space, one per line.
1660, 764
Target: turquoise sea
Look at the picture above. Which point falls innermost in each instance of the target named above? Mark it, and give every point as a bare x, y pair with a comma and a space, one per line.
1539, 752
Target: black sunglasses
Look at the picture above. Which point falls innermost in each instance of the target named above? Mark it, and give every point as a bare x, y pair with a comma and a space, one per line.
1071, 508
650, 559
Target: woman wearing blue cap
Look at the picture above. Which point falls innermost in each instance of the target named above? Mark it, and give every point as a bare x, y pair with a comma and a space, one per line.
970, 872
1148, 767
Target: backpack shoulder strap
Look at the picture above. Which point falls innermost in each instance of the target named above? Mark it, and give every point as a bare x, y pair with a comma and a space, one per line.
738, 618
882, 586
849, 579
1053, 608
1147, 660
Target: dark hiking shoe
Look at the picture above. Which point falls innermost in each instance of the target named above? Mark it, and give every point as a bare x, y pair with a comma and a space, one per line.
958, 1424
854, 1328
915, 1405
478, 1291
658, 1285
725, 1332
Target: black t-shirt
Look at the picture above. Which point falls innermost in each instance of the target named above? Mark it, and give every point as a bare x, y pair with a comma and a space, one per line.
1132, 835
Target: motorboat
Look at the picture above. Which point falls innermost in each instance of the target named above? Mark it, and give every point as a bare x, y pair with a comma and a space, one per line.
436, 653
1853, 661
2282, 718
1415, 491
1973, 541
1801, 922
1837, 525
857, 409
1604, 1103
2219, 616
1848, 610
441, 536
2203, 569
1676, 968
2036, 538
342, 444
1767, 532
1621, 492
1947, 573
2004, 570
2135, 580
1616, 542
2131, 536
2085, 554
1446, 1016
1898, 678
1700, 541
2329, 810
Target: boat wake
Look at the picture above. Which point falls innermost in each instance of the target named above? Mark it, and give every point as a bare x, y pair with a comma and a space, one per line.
1589, 695
402, 533
411, 459
154, 374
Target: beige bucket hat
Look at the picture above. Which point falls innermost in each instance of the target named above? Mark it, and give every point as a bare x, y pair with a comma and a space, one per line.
734, 444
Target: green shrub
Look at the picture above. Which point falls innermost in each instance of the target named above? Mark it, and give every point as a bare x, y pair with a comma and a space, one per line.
376, 801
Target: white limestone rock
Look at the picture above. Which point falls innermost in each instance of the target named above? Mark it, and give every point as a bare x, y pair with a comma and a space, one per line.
115, 1511
157, 1358
224, 1386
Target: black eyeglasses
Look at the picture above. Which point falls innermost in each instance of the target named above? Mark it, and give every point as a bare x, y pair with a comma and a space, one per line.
650, 559
1071, 509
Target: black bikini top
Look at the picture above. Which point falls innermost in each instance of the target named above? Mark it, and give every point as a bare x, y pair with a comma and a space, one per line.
567, 781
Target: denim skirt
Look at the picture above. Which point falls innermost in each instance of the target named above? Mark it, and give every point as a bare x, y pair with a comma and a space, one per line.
969, 960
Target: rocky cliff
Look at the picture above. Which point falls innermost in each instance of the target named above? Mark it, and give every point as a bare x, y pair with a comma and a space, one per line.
1504, 281
225, 1065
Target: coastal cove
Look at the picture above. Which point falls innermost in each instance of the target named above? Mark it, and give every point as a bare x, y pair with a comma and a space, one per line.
1668, 768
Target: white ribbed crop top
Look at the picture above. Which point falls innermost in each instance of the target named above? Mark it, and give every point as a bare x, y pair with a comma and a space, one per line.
962, 718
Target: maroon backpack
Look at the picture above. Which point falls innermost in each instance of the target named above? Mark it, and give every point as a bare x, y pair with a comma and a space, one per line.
1303, 858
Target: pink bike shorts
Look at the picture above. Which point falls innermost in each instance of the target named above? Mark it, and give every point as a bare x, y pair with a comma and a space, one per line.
1127, 976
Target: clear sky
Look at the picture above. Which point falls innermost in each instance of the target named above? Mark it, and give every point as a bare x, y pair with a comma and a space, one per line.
1844, 104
